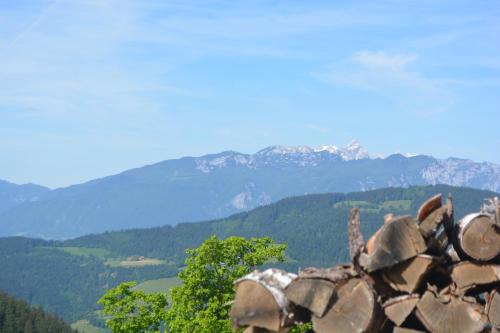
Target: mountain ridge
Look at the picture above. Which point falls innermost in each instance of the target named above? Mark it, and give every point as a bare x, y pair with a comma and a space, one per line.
217, 185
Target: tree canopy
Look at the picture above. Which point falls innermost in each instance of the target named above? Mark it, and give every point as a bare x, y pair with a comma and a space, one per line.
202, 302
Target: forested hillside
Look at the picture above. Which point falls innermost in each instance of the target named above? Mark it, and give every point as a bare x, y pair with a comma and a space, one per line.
16, 316
313, 226
68, 277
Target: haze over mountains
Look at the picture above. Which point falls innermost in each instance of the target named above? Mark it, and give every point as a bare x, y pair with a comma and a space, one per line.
217, 185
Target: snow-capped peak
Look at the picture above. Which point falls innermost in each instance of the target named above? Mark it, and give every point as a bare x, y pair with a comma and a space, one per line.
354, 151
281, 150
332, 149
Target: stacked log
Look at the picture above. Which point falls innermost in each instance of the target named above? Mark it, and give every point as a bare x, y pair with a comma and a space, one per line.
415, 274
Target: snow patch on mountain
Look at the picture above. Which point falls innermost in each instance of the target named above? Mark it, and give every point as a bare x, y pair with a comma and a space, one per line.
241, 200
277, 156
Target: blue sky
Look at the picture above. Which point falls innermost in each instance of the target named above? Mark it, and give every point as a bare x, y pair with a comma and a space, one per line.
89, 88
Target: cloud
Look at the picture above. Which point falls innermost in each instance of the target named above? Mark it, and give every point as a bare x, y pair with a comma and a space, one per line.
392, 76
383, 60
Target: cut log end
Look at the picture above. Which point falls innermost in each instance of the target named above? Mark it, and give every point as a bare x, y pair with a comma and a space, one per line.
408, 276
479, 237
353, 309
468, 275
260, 300
399, 308
449, 314
395, 242
312, 294
493, 308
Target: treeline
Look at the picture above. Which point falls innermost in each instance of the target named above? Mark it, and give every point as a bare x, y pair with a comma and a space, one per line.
313, 226
17, 316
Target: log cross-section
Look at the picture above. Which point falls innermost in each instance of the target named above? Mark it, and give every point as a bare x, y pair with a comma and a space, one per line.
397, 241
467, 274
408, 275
354, 309
449, 314
312, 294
260, 300
479, 237
399, 308
493, 309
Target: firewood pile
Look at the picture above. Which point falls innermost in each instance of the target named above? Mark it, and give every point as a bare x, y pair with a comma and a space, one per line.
415, 274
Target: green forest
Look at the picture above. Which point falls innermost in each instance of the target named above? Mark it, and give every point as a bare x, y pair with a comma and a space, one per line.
68, 277
16, 316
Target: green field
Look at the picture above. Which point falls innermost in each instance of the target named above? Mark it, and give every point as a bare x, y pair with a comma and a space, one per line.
134, 263
374, 208
86, 251
83, 326
160, 285
397, 205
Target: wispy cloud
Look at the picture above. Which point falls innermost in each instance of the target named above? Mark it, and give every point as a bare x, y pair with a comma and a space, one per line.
392, 76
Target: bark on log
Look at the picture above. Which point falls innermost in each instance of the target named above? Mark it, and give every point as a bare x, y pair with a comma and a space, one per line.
332, 274
493, 309
467, 274
399, 308
428, 207
449, 314
397, 241
406, 330
354, 308
478, 237
492, 208
260, 301
356, 240
312, 294
408, 275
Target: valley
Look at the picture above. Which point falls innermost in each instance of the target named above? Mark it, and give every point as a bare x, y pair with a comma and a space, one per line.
67, 277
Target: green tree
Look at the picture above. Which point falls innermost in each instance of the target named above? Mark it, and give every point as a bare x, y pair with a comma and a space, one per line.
129, 310
202, 302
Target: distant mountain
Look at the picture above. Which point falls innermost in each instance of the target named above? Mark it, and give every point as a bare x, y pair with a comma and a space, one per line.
67, 277
214, 186
13, 194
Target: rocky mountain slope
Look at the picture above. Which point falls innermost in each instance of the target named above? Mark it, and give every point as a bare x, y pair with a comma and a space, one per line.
217, 185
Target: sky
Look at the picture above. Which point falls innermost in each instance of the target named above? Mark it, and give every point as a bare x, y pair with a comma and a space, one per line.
89, 88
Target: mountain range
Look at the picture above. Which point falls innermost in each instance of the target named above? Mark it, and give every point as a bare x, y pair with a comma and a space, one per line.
217, 185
